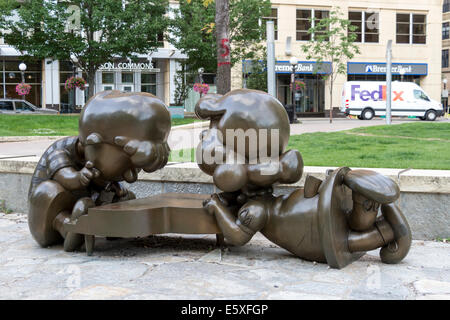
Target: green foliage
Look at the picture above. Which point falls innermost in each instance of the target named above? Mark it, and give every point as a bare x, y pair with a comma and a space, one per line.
193, 31
93, 31
184, 81
257, 78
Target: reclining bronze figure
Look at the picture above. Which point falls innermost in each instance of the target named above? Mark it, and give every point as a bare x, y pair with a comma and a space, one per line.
76, 193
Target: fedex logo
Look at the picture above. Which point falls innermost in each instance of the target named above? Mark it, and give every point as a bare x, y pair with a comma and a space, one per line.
377, 95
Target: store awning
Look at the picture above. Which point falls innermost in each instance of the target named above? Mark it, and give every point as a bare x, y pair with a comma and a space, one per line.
7, 51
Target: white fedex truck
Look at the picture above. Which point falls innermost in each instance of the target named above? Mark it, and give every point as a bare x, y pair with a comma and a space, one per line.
367, 99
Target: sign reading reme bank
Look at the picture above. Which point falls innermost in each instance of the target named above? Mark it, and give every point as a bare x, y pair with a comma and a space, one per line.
363, 68
305, 67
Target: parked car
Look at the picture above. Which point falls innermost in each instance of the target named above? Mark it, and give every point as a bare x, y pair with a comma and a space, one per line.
367, 99
14, 106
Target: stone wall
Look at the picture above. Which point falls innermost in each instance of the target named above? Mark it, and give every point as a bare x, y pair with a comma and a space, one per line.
425, 197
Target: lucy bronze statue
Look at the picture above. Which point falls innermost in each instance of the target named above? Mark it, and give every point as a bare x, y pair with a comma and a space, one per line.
334, 221
119, 134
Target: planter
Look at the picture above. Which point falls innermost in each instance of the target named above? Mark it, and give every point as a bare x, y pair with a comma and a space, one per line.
176, 112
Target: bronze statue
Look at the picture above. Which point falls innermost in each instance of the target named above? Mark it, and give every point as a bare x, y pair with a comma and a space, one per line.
76, 194
334, 221
119, 134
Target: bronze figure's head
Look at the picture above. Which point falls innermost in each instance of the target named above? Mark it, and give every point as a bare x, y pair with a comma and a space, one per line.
245, 143
122, 133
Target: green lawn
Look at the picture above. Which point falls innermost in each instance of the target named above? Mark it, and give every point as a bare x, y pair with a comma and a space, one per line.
49, 125
337, 149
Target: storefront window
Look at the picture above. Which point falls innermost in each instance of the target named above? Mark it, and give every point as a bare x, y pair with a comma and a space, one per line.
66, 70
108, 77
148, 83
127, 77
11, 76
311, 99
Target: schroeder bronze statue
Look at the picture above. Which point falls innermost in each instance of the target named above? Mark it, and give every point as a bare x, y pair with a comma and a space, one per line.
76, 194
119, 134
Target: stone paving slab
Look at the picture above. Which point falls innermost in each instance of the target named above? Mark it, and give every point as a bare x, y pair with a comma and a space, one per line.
191, 267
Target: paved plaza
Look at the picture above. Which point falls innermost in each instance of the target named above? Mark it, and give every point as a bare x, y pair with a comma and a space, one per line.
188, 267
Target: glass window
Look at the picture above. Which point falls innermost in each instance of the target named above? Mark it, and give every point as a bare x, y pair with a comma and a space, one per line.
6, 106
419, 28
319, 15
127, 77
420, 95
23, 106
273, 17
445, 58
148, 78
446, 7
445, 31
108, 77
356, 20
303, 24
403, 28
148, 83
372, 27
415, 23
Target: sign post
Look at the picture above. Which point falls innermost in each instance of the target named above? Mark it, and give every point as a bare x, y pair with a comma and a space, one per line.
271, 87
389, 83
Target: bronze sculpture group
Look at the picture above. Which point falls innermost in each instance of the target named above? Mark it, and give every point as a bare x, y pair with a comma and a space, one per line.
76, 191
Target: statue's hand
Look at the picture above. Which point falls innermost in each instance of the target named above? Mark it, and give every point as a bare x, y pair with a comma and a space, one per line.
211, 204
87, 174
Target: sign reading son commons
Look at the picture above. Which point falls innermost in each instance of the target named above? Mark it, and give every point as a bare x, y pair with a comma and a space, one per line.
111, 66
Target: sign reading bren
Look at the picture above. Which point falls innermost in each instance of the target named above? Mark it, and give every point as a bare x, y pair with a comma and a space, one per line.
130, 66
305, 67
363, 68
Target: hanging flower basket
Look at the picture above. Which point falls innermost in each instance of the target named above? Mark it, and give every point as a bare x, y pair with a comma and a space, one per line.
299, 85
23, 89
201, 88
75, 82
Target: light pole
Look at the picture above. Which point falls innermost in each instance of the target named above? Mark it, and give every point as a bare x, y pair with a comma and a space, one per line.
23, 68
445, 95
294, 62
200, 76
402, 74
74, 66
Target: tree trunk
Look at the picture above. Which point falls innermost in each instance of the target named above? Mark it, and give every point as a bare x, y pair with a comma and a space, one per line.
331, 100
91, 81
223, 46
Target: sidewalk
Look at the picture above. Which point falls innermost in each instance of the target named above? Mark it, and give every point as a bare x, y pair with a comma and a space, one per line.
188, 267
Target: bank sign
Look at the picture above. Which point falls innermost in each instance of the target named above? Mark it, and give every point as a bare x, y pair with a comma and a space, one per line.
409, 69
304, 67
129, 66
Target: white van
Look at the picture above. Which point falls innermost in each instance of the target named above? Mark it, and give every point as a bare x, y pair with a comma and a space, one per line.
367, 99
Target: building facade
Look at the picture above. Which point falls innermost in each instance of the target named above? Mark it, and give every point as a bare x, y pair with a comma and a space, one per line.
414, 27
153, 73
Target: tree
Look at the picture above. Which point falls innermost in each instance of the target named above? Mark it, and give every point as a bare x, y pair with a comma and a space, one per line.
223, 46
333, 40
256, 73
193, 31
90, 30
